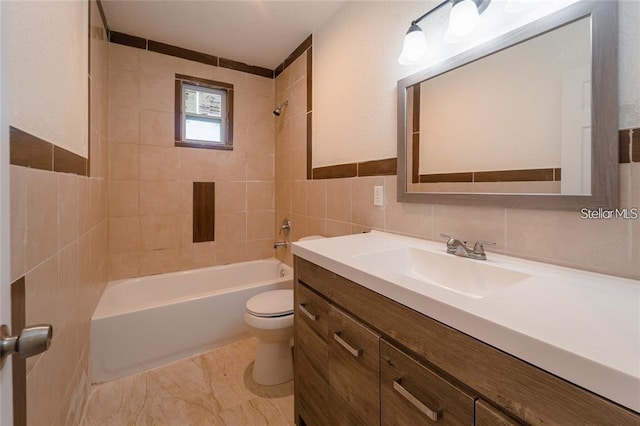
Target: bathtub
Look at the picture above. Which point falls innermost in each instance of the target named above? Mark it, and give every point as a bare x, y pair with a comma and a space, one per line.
145, 322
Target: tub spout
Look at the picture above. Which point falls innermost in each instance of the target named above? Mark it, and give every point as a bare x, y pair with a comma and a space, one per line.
279, 244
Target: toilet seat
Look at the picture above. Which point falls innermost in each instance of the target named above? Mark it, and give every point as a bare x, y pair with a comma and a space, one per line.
270, 304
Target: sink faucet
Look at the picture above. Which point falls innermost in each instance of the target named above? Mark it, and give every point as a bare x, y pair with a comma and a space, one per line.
459, 248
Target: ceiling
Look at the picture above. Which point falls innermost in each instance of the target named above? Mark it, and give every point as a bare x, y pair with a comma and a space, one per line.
256, 32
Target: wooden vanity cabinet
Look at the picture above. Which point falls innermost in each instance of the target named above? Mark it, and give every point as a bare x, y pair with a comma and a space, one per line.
354, 371
412, 394
505, 389
486, 415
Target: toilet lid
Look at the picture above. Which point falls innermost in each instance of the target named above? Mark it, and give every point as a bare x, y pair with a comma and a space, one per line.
274, 303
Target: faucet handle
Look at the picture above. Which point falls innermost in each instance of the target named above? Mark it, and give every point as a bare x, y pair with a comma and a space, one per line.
478, 247
448, 237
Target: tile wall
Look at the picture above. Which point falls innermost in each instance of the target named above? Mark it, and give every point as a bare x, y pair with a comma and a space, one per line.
59, 244
151, 180
334, 207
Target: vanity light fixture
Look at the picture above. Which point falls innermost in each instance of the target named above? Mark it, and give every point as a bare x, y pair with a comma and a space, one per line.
463, 19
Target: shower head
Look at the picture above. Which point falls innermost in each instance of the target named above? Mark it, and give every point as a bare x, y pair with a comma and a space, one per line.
278, 109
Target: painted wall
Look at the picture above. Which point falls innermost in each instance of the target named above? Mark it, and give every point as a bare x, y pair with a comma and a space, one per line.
355, 118
151, 180
49, 39
59, 220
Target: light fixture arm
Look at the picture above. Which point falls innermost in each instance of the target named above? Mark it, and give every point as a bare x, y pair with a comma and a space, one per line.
481, 5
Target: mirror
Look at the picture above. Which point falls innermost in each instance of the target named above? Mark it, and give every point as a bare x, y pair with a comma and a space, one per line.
528, 120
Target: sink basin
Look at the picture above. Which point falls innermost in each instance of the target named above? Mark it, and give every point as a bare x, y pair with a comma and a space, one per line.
470, 277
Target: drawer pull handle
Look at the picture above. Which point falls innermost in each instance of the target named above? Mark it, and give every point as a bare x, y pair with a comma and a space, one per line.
305, 311
353, 351
432, 414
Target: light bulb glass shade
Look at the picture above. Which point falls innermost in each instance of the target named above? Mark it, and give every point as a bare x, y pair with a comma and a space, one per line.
463, 18
414, 46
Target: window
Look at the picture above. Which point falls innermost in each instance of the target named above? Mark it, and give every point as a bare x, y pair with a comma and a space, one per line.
203, 113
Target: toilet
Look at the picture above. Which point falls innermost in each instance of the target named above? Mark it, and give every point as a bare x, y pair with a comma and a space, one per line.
269, 316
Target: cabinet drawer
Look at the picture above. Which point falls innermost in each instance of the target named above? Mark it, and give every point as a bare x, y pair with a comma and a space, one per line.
353, 371
311, 309
312, 346
311, 393
486, 415
413, 394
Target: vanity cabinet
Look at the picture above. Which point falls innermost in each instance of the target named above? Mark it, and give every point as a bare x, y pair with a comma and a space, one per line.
440, 369
413, 394
486, 415
354, 370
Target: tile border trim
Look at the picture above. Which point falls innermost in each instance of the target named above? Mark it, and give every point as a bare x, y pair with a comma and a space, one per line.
191, 55
385, 167
389, 167
19, 365
28, 150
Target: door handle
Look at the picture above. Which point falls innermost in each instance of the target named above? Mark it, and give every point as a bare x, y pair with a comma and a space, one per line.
31, 341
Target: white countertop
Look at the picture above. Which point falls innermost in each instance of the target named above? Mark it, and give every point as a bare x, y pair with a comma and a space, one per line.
578, 325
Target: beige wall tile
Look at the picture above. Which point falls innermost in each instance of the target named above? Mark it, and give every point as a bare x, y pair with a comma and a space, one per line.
230, 227
298, 227
68, 209
231, 252
18, 219
260, 85
283, 167
299, 131
124, 198
83, 205
298, 100
164, 181
157, 92
564, 238
316, 226
363, 212
42, 294
299, 68
298, 197
123, 58
42, 216
260, 166
283, 82
231, 166
159, 261
339, 199
124, 125
260, 249
197, 165
159, 232
157, 128
284, 199
231, 197
471, 224
124, 162
260, 196
124, 265
69, 285
406, 218
124, 234
299, 164
260, 224
124, 88
336, 228
198, 255
159, 197
317, 198
283, 133
159, 163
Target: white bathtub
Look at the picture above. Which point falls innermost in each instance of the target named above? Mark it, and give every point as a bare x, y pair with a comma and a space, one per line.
145, 322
